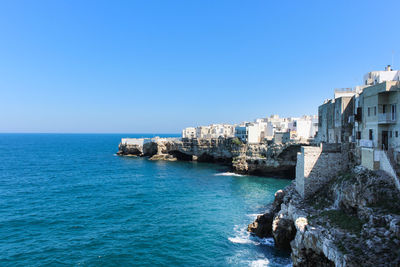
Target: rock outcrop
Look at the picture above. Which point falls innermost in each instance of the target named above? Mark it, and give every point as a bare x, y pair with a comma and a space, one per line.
266, 160
278, 160
262, 226
353, 221
130, 150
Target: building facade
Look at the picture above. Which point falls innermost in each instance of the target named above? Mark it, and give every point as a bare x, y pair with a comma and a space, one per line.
378, 125
189, 132
336, 118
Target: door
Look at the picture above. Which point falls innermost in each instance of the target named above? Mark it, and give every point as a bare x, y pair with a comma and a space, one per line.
385, 140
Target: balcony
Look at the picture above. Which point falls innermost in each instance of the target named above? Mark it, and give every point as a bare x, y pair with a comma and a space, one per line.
366, 143
387, 118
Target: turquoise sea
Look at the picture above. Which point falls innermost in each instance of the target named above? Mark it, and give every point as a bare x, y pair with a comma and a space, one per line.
67, 200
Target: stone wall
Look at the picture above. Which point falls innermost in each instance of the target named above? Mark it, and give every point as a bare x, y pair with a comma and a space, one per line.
316, 166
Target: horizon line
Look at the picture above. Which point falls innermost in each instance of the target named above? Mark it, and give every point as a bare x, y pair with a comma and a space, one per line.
81, 133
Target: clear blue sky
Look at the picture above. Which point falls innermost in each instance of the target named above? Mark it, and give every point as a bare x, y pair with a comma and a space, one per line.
158, 66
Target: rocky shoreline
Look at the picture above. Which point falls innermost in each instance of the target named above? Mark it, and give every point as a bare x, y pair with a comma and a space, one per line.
273, 160
352, 218
353, 221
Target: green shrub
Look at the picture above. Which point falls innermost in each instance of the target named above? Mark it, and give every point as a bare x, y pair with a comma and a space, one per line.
236, 141
343, 220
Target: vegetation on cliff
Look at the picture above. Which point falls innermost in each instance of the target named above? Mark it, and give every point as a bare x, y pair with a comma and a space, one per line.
353, 220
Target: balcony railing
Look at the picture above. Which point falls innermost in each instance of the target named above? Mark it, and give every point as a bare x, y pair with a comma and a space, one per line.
366, 143
387, 117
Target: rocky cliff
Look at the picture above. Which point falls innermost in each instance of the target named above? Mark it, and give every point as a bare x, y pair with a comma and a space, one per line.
267, 160
353, 221
277, 160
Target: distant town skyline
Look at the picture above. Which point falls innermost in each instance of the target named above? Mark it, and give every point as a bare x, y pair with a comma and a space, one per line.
161, 66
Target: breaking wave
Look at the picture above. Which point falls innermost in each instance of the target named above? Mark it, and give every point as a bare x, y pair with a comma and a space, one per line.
242, 236
259, 263
228, 174
261, 254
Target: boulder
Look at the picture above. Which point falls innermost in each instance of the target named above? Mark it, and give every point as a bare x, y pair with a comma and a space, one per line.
283, 231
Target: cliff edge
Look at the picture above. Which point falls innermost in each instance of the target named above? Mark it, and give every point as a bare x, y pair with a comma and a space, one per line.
276, 160
354, 220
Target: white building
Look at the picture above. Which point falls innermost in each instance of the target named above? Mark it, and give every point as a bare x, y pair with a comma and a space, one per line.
306, 127
189, 132
251, 132
375, 77
222, 130
256, 132
203, 132
269, 131
211, 131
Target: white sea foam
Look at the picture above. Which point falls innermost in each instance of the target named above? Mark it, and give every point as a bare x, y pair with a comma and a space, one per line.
242, 236
259, 263
239, 240
228, 174
253, 215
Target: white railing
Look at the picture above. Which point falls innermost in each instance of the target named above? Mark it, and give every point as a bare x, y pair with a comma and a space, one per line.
366, 143
387, 117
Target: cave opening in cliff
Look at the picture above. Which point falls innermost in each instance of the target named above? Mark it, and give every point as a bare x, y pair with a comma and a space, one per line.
313, 258
287, 173
206, 158
180, 156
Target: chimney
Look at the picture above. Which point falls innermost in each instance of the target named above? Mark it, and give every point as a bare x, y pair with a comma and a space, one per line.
388, 68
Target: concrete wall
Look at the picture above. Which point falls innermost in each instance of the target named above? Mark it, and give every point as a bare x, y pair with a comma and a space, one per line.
133, 141
367, 158
315, 167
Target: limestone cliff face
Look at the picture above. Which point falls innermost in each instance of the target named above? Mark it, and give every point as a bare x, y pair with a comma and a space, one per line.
267, 160
130, 149
353, 221
208, 150
257, 159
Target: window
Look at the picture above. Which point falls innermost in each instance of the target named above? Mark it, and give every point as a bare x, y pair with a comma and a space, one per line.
358, 116
374, 111
397, 134
384, 109
391, 134
369, 112
371, 135
358, 135
393, 112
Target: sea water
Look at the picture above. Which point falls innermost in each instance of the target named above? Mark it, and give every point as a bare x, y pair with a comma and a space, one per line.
68, 200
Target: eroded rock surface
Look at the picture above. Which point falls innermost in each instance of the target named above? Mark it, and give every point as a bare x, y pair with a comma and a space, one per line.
262, 226
278, 160
353, 221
